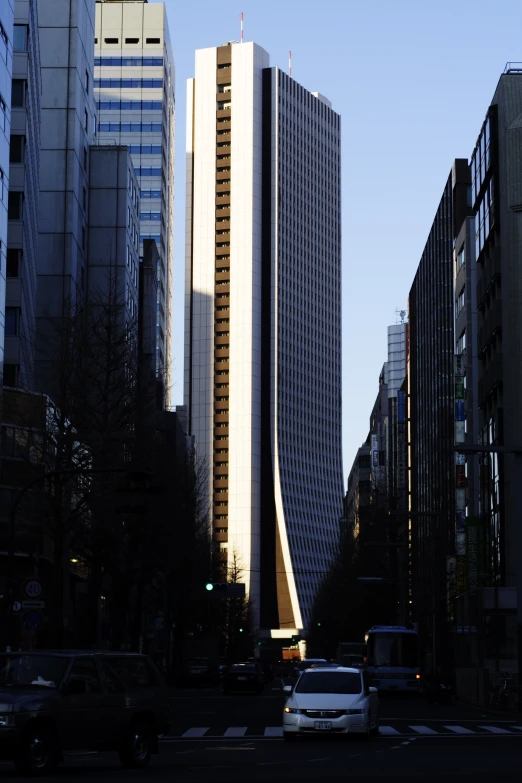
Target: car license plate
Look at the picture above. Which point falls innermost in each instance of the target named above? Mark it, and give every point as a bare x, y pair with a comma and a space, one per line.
323, 725
241, 678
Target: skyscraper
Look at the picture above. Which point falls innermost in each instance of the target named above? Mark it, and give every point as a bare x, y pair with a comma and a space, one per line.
263, 323
134, 89
24, 173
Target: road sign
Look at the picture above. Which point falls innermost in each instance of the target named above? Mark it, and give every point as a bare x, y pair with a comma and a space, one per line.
33, 588
33, 604
33, 619
17, 606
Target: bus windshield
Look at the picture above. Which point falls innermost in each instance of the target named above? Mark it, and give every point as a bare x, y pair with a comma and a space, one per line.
393, 649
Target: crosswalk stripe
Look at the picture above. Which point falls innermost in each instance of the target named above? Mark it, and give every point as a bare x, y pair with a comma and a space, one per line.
422, 729
196, 732
388, 731
235, 731
274, 731
519, 728
495, 729
459, 729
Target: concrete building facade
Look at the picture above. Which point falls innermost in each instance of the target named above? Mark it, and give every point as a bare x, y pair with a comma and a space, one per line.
6, 67
134, 88
263, 323
113, 241
24, 179
67, 131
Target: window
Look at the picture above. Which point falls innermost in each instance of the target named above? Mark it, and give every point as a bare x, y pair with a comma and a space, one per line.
20, 38
150, 193
14, 205
128, 61
14, 258
112, 40
11, 321
114, 685
461, 258
84, 238
86, 120
11, 375
83, 677
3, 43
84, 198
18, 92
134, 83
3, 186
132, 40
85, 158
16, 149
95, 40
86, 80
153, 40
461, 300
3, 113
461, 343
129, 105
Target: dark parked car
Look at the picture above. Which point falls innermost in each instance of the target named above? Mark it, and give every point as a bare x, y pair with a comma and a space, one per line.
243, 677
51, 702
200, 671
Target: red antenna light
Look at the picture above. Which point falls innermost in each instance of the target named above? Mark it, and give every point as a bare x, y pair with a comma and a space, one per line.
290, 63
241, 19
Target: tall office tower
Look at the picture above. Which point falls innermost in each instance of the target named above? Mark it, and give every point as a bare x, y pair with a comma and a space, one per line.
67, 130
134, 87
432, 416
24, 179
6, 64
263, 324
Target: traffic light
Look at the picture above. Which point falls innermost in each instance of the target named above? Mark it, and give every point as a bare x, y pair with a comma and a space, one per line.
240, 630
221, 588
318, 625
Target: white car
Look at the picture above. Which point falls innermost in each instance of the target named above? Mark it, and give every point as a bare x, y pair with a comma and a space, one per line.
331, 701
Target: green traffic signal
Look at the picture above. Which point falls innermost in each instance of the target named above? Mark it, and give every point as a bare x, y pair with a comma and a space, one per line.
318, 625
240, 630
209, 586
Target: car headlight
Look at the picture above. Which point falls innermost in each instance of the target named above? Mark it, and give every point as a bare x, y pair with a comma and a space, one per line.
292, 710
7, 720
354, 712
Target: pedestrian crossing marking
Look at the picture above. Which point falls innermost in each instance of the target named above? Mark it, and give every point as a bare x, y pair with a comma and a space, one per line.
401, 729
196, 732
235, 731
274, 731
459, 729
495, 729
422, 729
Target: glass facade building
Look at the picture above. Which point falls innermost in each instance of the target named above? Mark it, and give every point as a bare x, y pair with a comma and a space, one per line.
134, 88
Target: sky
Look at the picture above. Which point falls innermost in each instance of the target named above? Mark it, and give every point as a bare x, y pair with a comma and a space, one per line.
412, 81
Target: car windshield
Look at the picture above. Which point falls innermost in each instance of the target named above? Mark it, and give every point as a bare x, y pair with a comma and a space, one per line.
329, 682
22, 671
239, 669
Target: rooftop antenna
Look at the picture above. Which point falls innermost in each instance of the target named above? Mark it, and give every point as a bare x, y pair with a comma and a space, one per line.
241, 19
290, 64
400, 314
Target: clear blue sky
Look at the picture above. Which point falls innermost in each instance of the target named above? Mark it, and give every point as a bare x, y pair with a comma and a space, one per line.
412, 81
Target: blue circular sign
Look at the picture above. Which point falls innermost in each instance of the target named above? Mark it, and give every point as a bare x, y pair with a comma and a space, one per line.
33, 619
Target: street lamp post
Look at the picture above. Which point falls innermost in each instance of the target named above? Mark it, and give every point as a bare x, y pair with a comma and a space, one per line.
516, 451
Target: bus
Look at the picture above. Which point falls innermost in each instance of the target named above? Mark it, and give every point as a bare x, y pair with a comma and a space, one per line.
394, 658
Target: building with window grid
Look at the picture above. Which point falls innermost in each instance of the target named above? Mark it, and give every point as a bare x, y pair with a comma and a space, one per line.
263, 324
134, 89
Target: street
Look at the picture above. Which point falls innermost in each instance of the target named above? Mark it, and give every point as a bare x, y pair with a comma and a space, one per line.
216, 738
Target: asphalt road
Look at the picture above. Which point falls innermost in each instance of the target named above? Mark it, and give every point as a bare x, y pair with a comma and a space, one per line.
218, 739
